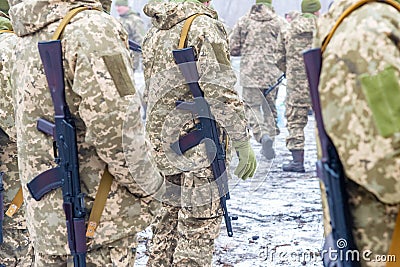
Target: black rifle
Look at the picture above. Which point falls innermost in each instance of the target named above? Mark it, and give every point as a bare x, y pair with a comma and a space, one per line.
206, 129
134, 46
1, 206
331, 172
272, 87
66, 174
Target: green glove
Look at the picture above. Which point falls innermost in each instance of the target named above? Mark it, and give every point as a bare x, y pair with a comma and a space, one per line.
5, 24
247, 160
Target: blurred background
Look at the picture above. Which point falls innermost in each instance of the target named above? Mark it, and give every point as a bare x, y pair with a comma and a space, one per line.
231, 10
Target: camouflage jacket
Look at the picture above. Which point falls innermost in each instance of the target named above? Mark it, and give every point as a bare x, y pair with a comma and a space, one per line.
164, 83
98, 102
297, 38
134, 25
363, 45
8, 146
254, 38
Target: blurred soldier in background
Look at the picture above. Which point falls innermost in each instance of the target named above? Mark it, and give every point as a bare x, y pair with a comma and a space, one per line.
133, 24
291, 15
296, 39
16, 249
98, 88
360, 95
254, 38
191, 218
131, 21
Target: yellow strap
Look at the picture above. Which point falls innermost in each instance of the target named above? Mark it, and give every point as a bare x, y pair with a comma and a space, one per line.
99, 202
107, 178
185, 30
395, 246
351, 9
67, 19
16, 203
4, 31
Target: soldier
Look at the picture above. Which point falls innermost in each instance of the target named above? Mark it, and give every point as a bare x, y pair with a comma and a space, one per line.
98, 88
254, 38
359, 87
297, 38
16, 249
191, 218
291, 15
132, 23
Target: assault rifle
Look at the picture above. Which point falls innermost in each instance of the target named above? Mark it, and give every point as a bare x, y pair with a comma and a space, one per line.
66, 174
272, 87
331, 172
1, 206
206, 129
134, 46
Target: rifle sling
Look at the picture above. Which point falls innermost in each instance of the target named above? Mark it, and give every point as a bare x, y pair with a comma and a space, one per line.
99, 202
67, 18
185, 30
6, 31
107, 178
350, 10
16, 203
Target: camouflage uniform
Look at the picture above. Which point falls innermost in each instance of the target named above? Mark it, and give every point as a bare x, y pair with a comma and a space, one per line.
95, 52
185, 232
134, 25
16, 249
363, 46
254, 38
296, 39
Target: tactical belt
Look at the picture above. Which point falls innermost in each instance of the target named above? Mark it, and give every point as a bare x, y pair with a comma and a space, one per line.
107, 178
395, 245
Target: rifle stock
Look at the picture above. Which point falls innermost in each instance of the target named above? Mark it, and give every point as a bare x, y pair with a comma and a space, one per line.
185, 59
1, 206
331, 172
66, 144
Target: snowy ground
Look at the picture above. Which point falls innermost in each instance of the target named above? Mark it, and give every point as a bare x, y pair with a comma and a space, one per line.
280, 215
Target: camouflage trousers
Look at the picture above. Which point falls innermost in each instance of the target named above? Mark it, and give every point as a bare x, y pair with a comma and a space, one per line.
297, 118
184, 235
261, 112
16, 250
373, 224
120, 253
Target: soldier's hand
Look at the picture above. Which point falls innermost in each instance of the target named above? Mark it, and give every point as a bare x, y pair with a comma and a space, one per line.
247, 160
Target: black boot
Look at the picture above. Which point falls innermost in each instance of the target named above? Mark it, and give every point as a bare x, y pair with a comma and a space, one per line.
297, 164
267, 150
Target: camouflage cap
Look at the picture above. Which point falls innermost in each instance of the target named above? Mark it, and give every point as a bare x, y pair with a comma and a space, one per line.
120, 2
263, 1
310, 6
4, 6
